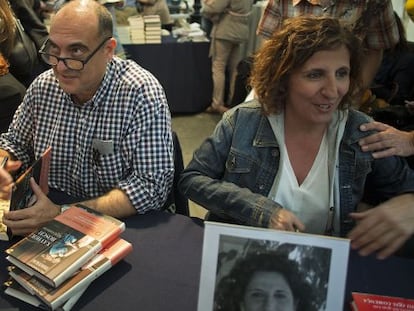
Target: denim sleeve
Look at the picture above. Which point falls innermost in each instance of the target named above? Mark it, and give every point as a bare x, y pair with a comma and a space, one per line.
389, 177
210, 180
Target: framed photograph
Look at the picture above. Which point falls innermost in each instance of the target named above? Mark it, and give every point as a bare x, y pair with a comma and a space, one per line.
254, 269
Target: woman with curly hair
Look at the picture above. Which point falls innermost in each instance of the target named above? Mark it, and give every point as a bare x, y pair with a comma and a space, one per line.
264, 281
11, 90
290, 159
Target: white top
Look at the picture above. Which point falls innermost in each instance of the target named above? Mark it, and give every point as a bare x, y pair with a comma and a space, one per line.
301, 200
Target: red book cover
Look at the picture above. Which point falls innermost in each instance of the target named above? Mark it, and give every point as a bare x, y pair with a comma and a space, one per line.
371, 302
54, 252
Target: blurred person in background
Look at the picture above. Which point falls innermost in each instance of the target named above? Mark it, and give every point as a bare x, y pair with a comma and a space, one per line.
230, 19
37, 33
11, 90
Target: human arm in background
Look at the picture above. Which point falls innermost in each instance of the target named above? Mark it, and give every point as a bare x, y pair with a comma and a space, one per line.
387, 142
385, 228
388, 187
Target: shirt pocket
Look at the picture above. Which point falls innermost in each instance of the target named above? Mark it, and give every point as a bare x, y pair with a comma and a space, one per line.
241, 169
107, 171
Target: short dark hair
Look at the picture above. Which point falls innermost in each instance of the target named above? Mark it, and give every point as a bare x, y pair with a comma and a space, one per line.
105, 23
290, 47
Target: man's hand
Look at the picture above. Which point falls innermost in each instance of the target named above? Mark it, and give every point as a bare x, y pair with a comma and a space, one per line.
282, 219
6, 180
388, 142
25, 221
385, 228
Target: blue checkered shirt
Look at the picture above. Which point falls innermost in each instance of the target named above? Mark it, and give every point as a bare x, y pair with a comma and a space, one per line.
128, 114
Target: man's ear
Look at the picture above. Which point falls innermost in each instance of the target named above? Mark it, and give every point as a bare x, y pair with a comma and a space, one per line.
110, 47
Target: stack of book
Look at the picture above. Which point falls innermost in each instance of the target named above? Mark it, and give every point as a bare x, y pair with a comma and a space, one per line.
136, 29
152, 29
124, 34
54, 265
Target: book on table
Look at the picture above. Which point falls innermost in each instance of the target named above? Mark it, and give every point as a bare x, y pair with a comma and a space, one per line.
58, 249
372, 302
14, 289
52, 297
22, 192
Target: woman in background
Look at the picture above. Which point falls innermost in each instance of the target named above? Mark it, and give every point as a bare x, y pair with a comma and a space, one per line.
11, 90
230, 29
394, 80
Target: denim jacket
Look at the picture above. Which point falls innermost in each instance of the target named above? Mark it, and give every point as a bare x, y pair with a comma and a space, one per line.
232, 172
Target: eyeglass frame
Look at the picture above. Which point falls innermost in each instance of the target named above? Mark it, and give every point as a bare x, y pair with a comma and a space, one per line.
64, 59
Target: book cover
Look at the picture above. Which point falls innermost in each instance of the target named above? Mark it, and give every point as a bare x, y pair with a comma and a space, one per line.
14, 289
368, 302
62, 246
54, 297
22, 192
238, 257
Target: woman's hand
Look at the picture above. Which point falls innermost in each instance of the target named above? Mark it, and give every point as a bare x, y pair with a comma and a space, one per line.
282, 219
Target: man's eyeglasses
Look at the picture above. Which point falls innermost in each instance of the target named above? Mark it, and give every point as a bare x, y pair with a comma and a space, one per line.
71, 63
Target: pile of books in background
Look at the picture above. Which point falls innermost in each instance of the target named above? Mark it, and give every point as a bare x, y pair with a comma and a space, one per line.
124, 34
53, 266
136, 29
152, 29
144, 29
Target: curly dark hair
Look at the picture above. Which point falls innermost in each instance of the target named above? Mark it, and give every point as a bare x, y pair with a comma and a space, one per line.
231, 288
290, 48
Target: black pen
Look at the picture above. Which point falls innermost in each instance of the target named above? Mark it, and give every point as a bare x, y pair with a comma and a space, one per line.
4, 162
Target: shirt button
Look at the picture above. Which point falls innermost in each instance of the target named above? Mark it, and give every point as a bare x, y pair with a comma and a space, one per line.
261, 187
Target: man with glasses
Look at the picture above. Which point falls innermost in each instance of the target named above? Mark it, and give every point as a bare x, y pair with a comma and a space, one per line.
106, 119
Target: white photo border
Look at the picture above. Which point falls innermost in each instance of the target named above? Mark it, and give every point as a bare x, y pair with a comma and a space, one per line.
214, 231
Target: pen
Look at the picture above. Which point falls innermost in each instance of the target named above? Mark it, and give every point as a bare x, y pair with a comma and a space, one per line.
4, 162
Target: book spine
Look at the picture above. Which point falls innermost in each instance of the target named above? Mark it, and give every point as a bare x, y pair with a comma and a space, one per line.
68, 305
14, 289
101, 263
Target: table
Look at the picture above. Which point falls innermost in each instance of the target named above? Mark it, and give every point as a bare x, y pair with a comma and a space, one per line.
183, 68
163, 272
